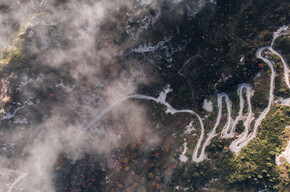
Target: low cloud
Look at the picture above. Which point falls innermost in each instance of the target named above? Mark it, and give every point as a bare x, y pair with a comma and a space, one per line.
75, 69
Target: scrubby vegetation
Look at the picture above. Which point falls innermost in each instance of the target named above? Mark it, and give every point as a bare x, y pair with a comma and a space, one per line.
254, 167
10, 54
218, 42
218, 38
283, 45
12, 57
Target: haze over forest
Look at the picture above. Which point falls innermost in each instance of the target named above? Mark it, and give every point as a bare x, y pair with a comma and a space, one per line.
144, 95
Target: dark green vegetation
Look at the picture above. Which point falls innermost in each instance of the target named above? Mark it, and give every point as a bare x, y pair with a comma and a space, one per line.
235, 30
213, 42
218, 38
254, 167
281, 89
82, 175
283, 45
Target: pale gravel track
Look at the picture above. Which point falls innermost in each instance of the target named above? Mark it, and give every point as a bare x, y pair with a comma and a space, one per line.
17, 181
9, 174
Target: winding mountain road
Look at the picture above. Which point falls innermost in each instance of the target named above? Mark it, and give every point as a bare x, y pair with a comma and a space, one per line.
228, 130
